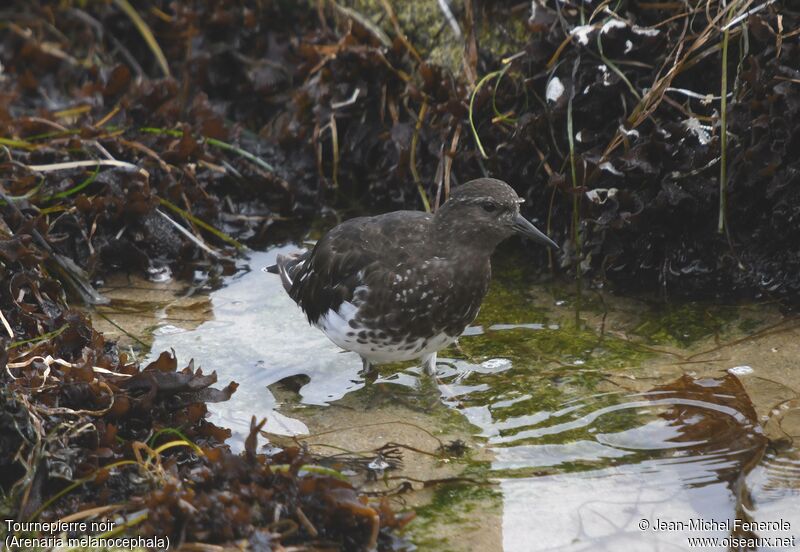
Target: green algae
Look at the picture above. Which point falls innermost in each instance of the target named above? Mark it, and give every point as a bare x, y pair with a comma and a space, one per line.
427, 29
749, 325
455, 509
510, 305
580, 356
502, 38
684, 324
424, 25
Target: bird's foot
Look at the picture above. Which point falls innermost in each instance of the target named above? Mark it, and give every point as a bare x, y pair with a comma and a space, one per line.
368, 371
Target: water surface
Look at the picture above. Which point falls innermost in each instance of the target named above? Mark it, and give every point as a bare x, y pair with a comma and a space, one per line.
572, 434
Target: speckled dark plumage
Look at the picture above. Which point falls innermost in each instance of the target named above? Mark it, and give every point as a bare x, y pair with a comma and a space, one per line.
405, 284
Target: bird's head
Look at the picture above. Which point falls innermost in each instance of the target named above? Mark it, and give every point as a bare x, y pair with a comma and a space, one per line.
483, 213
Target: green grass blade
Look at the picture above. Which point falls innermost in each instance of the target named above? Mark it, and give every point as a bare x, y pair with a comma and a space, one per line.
12, 143
213, 142
478, 86
204, 225
146, 33
239, 151
38, 339
75, 189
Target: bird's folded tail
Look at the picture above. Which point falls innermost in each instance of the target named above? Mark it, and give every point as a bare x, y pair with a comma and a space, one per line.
287, 267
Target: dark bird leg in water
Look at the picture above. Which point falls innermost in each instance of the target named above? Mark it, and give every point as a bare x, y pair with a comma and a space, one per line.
368, 371
429, 364
366, 367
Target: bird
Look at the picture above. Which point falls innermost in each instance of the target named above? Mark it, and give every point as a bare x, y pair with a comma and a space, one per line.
403, 285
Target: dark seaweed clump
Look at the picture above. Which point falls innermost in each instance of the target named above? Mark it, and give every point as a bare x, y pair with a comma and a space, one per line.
263, 114
82, 427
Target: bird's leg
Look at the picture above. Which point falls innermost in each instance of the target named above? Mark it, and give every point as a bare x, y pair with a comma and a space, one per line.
429, 363
368, 371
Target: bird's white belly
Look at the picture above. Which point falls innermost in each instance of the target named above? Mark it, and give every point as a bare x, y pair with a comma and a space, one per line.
336, 326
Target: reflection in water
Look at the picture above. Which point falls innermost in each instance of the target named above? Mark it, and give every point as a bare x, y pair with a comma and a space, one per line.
581, 446
676, 452
256, 339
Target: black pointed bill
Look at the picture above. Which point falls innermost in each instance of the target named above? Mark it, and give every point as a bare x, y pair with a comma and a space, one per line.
524, 228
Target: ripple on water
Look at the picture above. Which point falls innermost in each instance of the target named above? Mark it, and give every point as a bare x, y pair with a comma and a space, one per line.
579, 460
592, 466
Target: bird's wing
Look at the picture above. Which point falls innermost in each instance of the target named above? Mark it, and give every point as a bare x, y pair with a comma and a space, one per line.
343, 259
288, 266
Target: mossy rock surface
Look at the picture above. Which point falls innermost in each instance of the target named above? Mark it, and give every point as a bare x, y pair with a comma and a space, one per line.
427, 29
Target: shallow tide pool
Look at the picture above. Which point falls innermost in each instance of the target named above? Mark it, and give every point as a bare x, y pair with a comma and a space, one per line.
554, 434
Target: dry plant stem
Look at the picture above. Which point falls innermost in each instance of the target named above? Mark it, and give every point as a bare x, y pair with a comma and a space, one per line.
197, 241
576, 238
321, 15
723, 135
399, 31
107, 117
88, 163
550, 264
47, 47
683, 59
413, 156
439, 178
147, 151
365, 22
47, 122
335, 150
306, 523
446, 165
318, 149
6, 325
448, 162
89, 513
204, 225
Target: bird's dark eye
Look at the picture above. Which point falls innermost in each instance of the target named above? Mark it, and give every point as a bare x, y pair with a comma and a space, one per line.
489, 207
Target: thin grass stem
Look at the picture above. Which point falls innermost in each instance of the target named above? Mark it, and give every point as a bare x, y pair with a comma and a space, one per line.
38, 339
204, 225
75, 189
475, 91
423, 110
723, 135
146, 33
576, 235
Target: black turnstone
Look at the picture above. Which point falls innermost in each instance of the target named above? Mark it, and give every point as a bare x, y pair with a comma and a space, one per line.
403, 285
